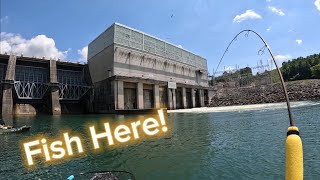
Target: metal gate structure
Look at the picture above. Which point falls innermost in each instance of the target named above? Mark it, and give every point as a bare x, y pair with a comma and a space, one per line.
163, 97
30, 82
71, 84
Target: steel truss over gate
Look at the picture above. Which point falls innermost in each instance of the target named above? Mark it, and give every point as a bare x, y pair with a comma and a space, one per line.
71, 85
31, 82
72, 92
30, 90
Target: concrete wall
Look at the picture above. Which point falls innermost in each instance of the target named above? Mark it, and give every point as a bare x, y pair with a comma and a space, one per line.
101, 65
24, 109
104, 40
7, 99
133, 63
54, 94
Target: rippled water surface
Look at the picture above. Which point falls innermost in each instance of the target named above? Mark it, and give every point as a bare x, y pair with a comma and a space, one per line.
246, 142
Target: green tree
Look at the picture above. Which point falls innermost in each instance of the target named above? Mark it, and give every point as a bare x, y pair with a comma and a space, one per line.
299, 68
246, 71
316, 71
285, 71
275, 76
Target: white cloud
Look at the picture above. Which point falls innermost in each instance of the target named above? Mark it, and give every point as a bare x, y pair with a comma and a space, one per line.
317, 4
277, 11
38, 46
281, 58
299, 41
83, 53
268, 0
249, 14
269, 28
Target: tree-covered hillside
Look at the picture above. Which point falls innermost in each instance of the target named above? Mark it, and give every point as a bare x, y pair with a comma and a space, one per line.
301, 68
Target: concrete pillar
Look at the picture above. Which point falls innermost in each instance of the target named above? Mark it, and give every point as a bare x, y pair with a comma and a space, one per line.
140, 104
120, 95
170, 103
174, 99
201, 97
7, 100
193, 98
184, 98
54, 96
114, 91
156, 96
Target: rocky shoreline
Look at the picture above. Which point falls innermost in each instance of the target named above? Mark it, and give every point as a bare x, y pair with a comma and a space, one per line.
273, 93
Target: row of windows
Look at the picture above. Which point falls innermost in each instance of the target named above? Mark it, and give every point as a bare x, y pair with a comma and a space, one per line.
31, 74
70, 77
41, 75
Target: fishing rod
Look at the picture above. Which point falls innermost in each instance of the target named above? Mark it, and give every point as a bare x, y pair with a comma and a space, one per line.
260, 52
294, 152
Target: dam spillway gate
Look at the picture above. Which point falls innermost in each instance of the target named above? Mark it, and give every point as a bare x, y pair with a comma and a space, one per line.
29, 85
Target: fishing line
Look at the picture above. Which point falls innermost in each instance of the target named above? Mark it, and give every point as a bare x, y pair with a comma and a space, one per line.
260, 52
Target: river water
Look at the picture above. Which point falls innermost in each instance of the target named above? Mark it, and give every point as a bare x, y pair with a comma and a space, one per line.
240, 142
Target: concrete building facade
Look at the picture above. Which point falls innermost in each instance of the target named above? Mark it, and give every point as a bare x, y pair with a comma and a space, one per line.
133, 70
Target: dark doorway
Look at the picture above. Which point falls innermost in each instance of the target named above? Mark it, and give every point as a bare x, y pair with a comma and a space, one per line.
148, 98
179, 98
130, 98
189, 98
197, 94
163, 97
130, 95
206, 98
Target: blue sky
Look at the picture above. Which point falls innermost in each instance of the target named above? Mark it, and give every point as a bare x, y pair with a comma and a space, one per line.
63, 28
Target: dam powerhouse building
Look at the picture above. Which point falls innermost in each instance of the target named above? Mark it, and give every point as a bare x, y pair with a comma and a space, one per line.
126, 70
132, 70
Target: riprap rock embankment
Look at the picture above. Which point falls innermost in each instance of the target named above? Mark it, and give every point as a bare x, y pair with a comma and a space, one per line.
297, 90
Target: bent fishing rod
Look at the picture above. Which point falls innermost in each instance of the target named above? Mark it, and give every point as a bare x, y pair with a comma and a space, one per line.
294, 152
